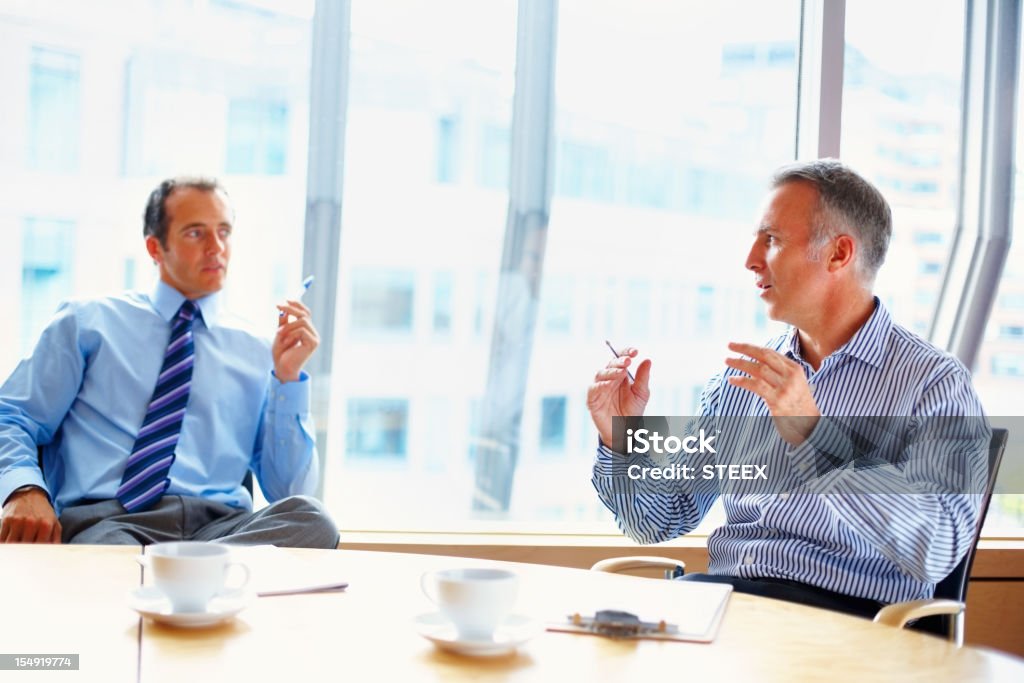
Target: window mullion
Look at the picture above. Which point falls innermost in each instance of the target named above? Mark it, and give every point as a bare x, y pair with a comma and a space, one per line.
820, 78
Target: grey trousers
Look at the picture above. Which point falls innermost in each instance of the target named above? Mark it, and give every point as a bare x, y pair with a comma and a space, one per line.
294, 522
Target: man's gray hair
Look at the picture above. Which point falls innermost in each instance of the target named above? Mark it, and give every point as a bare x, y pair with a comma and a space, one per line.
847, 204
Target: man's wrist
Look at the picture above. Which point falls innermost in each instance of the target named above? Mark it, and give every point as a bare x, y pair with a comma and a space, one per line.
284, 377
25, 489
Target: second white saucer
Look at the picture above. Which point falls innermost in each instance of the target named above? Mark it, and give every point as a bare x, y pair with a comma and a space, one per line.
510, 634
151, 603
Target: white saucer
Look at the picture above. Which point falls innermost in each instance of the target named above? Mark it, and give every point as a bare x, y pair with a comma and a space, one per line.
151, 603
510, 634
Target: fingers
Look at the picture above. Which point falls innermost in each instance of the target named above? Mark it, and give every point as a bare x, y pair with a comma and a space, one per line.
755, 369
299, 330
643, 377
773, 359
55, 535
25, 530
294, 308
303, 338
757, 386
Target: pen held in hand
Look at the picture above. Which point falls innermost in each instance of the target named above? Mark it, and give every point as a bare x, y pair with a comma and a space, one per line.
618, 355
298, 296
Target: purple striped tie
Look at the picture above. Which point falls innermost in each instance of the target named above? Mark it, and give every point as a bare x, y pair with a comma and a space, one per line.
145, 478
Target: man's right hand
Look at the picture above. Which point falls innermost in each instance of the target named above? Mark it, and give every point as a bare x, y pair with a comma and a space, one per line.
613, 395
28, 517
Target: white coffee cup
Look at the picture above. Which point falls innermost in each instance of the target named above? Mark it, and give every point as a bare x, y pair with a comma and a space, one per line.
190, 573
474, 600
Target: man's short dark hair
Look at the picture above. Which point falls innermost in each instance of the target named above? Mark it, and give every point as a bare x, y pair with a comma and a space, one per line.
847, 204
155, 220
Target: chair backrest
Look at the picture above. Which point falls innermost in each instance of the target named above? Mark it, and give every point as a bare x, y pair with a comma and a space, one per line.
954, 586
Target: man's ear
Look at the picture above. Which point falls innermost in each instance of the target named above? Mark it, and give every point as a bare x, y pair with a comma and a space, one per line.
156, 252
844, 248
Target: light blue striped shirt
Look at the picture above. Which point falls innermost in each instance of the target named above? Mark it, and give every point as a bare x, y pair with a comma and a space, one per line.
84, 390
833, 529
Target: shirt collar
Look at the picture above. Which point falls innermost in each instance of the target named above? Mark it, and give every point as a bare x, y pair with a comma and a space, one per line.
867, 344
167, 300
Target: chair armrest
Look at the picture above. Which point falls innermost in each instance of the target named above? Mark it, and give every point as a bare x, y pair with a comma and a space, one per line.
898, 614
616, 565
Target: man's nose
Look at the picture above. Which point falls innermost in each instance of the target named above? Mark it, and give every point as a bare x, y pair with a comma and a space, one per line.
214, 244
755, 258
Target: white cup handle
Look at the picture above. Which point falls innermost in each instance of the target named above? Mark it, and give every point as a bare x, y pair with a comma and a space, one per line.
424, 584
241, 566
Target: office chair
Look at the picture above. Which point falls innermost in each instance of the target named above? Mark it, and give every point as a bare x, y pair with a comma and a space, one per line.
941, 615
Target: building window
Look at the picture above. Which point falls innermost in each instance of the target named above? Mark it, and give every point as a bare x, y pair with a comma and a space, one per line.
552, 423
257, 137
377, 428
1012, 300
382, 301
705, 307
495, 157
1008, 364
1011, 331
447, 149
54, 111
922, 238
444, 301
47, 249
556, 304
585, 171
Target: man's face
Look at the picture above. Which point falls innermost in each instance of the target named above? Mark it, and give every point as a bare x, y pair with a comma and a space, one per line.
792, 284
195, 261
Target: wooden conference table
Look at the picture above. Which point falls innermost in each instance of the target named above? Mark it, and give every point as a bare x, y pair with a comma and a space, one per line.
75, 600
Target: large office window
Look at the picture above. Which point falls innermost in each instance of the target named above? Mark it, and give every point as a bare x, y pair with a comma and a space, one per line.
901, 129
668, 120
663, 150
426, 172
999, 373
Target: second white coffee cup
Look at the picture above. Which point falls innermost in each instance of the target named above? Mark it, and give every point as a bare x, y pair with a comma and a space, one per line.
474, 600
190, 573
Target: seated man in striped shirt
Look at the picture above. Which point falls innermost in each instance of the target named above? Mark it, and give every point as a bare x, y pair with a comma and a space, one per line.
845, 405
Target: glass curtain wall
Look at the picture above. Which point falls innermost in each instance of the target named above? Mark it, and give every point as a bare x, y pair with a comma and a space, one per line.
668, 119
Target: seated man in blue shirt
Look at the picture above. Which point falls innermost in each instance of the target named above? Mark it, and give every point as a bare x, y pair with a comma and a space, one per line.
150, 408
805, 532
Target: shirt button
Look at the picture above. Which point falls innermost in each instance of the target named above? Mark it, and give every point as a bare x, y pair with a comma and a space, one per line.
749, 559
280, 398
783, 496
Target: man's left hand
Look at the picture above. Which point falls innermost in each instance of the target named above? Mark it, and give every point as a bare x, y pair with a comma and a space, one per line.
781, 384
295, 341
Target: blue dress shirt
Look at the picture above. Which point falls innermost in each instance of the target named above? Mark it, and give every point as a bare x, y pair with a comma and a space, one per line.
83, 394
833, 529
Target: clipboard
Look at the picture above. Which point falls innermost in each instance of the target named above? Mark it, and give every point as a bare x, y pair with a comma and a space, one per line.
695, 609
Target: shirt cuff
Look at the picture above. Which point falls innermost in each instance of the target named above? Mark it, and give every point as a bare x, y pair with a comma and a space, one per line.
290, 397
605, 461
19, 477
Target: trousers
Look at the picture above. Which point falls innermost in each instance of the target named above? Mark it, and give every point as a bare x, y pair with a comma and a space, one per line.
294, 522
